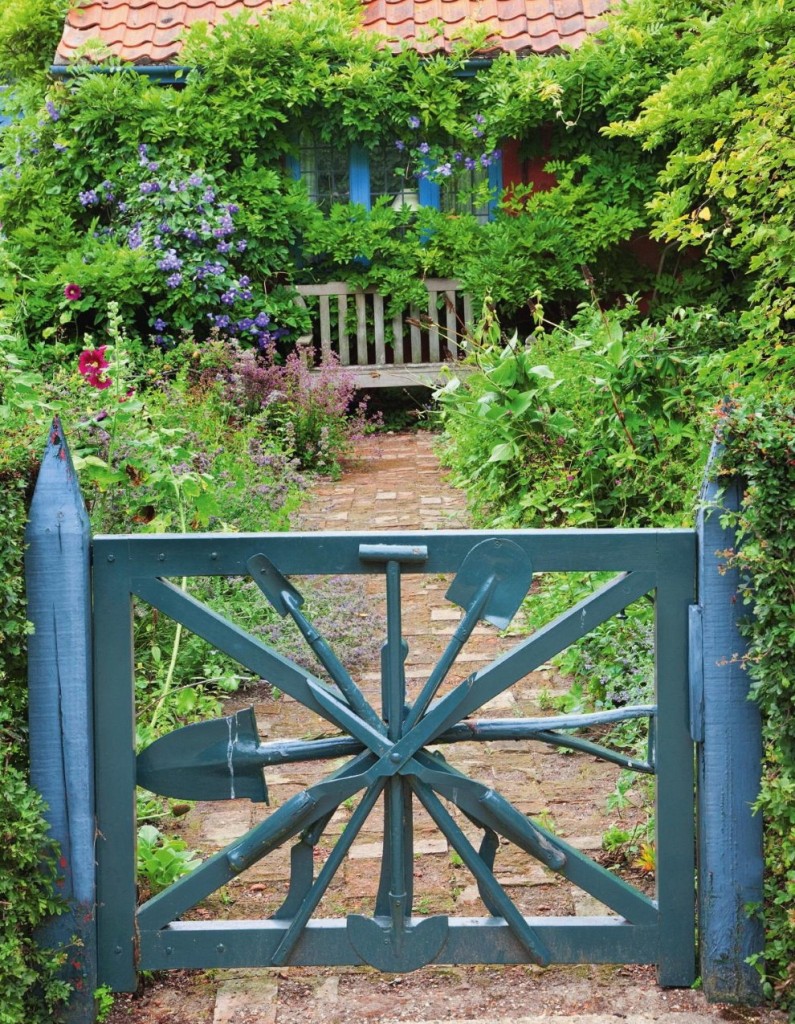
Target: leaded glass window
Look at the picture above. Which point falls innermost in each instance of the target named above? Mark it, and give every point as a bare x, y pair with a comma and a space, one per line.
326, 170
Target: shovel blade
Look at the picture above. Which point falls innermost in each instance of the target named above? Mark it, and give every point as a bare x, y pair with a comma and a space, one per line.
206, 761
512, 571
417, 944
272, 584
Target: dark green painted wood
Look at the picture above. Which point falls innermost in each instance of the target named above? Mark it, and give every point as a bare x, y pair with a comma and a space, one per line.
731, 860
307, 554
257, 657
488, 683
222, 759
393, 752
333, 863
534, 946
675, 826
296, 814
287, 601
227, 944
114, 717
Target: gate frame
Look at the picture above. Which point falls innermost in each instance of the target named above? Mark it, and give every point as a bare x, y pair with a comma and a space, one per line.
667, 557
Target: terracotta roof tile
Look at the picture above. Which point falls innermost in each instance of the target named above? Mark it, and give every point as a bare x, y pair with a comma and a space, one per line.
149, 31
572, 26
566, 8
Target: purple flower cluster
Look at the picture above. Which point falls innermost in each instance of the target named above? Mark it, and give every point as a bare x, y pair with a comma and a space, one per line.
191, 234
433, 164
170, 261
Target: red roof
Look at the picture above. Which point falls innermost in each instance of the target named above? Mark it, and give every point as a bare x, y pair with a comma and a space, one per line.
148, 31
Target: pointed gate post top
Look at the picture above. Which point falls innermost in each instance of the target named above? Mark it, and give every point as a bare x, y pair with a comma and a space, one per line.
57, 501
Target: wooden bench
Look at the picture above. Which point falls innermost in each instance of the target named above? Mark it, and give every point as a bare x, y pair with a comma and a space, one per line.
408, 349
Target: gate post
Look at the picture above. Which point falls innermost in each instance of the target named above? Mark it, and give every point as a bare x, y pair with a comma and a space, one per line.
57, 568
728, 731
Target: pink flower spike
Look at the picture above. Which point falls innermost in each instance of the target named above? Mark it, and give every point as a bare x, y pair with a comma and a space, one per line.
73, 292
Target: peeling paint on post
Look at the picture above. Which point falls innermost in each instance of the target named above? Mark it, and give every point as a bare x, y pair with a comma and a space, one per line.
57, 573
729, 769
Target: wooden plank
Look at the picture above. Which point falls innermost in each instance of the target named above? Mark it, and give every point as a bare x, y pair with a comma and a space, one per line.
468, 320
329, 288
361, 329
342, 328
242, 943
433, 328
416, 337
443, 284
302, 554
378, 322
397, 339
325, 330
451, 323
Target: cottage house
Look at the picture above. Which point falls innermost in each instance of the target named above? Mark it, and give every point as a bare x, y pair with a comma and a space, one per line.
148, 34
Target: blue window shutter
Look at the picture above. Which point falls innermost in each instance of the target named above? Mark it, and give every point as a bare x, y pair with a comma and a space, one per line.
293, 167
360, 176
430, 193
495, 186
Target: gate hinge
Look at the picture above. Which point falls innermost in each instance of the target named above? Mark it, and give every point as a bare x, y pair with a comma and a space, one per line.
696, 671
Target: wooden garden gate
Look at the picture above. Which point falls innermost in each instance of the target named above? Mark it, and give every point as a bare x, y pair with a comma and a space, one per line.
390, 751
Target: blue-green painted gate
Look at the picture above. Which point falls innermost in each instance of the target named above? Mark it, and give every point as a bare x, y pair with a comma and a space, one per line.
387, 755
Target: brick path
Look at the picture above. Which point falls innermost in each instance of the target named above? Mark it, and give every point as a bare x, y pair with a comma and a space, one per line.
396, 484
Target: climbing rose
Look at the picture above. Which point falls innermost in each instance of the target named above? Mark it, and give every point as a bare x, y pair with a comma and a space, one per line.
92, 365
73, 292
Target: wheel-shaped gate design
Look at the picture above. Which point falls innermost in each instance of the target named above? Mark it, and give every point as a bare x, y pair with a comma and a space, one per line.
388, 755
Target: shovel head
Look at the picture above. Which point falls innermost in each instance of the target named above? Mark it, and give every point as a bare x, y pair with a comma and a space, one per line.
509, 566
272, 584
416, 944
213, 760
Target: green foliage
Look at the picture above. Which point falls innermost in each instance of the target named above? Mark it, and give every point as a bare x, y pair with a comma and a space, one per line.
29, 34
597, 424
235, 122
28, 973
104, 1001
760, 448
162, 859
721, 122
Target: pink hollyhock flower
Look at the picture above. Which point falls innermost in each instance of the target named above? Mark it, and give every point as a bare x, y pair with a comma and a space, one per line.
92, 365
73, 292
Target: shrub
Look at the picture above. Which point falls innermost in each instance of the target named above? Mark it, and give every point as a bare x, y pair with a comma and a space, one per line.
313, 419
594, 425
28, 973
